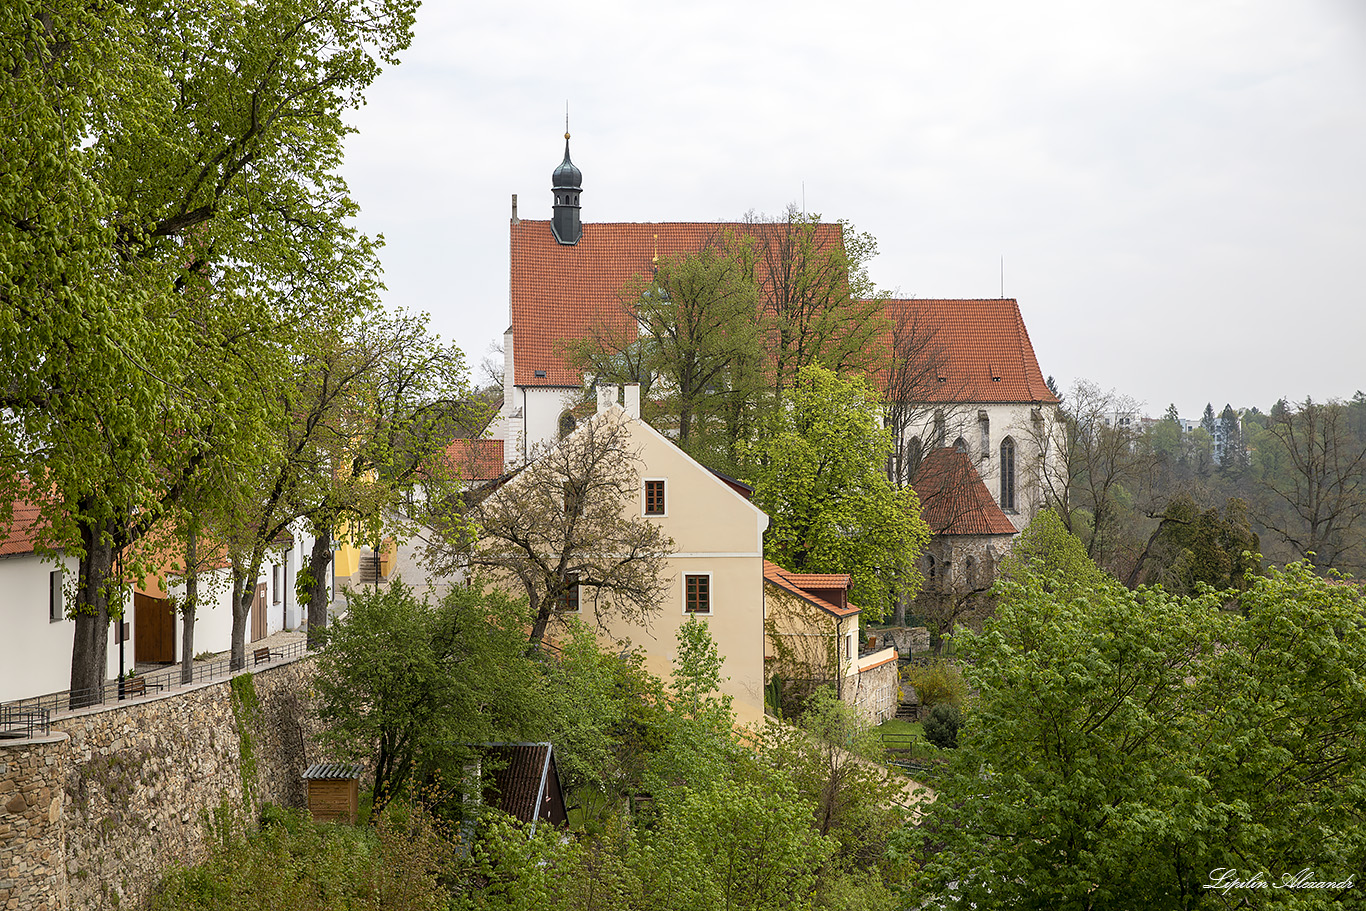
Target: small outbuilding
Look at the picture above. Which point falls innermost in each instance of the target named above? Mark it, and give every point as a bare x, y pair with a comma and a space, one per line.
525, 782
333, 791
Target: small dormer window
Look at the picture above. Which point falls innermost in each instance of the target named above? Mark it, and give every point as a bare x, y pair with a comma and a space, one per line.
539, 374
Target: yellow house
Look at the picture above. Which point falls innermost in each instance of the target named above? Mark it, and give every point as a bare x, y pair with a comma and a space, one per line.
714, 571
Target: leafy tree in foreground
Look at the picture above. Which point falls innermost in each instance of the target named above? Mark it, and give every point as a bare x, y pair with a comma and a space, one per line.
166, 165
821, 477
401, 681
1123, 745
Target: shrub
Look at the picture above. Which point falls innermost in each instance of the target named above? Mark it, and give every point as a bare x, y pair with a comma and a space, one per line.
937, 683
941, 727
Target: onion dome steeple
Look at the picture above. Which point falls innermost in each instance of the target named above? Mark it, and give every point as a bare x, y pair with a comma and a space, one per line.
566, 184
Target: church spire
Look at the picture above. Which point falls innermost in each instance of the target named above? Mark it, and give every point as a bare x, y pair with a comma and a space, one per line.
566, 184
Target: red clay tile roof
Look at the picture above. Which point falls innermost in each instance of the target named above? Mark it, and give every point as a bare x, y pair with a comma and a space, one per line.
559, 292
953, 499
25, 525
983, 347
476, 460
776, 575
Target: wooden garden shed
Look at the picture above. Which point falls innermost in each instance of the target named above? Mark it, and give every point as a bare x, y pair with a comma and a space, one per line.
333, 791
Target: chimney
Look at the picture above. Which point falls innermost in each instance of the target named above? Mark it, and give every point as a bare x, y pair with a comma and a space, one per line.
633, 400
515, 219
607, 397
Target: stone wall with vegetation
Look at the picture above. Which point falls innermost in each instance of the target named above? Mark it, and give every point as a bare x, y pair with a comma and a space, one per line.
91, 816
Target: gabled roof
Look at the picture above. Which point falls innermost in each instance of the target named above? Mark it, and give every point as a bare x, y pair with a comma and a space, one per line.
26, 522
982, 348
559, 292
526, 784
800, 584
953, 499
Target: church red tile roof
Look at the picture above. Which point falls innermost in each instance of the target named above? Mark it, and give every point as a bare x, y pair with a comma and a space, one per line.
558, 292
982, 347
953, 498
801, 585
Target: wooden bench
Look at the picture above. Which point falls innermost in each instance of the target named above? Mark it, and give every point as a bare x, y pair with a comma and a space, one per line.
262, 655
134, 686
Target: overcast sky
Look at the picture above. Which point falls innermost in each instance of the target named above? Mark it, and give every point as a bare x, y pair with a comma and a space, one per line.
1177, 189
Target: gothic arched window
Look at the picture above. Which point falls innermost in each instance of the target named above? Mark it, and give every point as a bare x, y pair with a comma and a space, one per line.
567, 424
1008, 474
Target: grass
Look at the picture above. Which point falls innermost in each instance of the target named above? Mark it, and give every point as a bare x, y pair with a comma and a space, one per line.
905, 740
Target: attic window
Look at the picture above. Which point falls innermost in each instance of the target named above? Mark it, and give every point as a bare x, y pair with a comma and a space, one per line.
943, 379
540, 374
996, 379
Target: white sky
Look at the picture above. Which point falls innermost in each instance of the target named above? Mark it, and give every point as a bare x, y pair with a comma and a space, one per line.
1178, 189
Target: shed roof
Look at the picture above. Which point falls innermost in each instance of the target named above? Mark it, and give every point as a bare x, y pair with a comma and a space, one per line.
527, 786
331, 770
26, 523
800, 584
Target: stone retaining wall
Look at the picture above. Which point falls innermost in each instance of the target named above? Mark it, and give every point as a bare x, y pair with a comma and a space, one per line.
91, 816
876, 692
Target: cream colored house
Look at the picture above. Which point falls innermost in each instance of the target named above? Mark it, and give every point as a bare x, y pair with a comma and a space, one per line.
715, 571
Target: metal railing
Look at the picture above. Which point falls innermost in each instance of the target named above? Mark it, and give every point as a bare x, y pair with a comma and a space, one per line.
34, 715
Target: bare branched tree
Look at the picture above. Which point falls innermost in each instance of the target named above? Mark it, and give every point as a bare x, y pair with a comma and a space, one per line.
1315, 488
1091, 455
568, 527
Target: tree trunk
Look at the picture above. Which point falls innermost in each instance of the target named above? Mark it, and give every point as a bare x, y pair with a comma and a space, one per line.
90, 646
320, 595
243, 594
188, 611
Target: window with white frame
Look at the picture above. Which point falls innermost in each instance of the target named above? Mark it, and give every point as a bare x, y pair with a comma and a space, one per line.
569, 598
655, 504
697, 593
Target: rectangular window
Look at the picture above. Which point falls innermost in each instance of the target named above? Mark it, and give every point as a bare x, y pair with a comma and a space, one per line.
697, 593
569, 600
275, 580
56, 606
654, 498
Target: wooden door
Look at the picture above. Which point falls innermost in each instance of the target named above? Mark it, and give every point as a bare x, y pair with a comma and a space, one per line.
258, 614
153, 630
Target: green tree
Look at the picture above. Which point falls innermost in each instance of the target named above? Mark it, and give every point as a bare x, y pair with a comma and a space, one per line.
1047, 551
822, 479
1121, 744
402, 682
173, 177
817, 302
1312, 470
1191, 546
692, 342
1100, 466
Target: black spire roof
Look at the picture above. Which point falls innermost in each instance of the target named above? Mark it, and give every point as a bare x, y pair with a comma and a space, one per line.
566, 184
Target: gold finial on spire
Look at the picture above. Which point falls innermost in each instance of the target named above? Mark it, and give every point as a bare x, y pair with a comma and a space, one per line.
566, 119
655, 259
